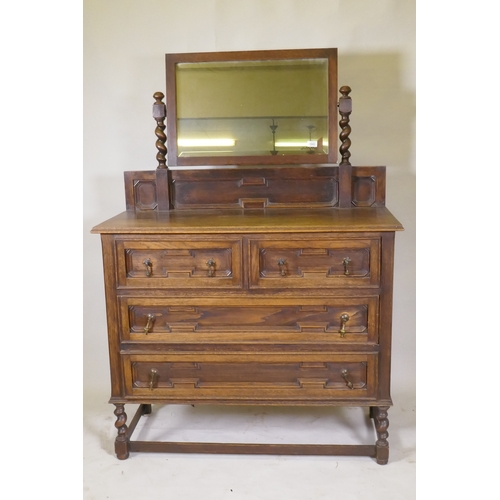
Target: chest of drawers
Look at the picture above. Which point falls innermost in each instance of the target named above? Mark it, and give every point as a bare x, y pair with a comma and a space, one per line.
250, 307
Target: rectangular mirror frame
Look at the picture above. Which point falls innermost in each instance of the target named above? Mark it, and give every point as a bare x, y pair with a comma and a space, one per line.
171, 60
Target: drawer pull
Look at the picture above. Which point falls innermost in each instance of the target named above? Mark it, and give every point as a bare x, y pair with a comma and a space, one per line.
149, 267
344, 318
152, 377
281, 264
149, 324
346, 262
345, 376
211, 267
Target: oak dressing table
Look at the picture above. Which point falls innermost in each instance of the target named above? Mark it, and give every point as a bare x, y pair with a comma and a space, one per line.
251, 267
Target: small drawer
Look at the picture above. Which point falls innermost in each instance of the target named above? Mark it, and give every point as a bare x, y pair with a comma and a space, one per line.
251, 377
179, 263
312, 263
256, 320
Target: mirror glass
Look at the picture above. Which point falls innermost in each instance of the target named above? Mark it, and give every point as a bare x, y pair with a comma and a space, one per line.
252, 108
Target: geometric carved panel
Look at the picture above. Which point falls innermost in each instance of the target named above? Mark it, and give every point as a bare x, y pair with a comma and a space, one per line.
140, 190
310, 262
145, 195
314, 263
266, 319
179, 262
364, 189
368, 186
210, 375
246, 188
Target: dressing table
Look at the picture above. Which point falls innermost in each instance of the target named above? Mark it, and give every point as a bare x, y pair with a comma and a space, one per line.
254, 264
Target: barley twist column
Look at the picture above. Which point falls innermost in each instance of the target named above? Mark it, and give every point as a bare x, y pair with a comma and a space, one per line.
122, 440
381, 425
159, 114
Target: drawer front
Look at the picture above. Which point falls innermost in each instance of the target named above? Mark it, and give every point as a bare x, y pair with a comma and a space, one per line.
178, 263
250, 377
266, 320
310, 263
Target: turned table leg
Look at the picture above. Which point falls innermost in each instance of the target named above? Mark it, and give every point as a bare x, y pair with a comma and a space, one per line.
122, 440
379, 414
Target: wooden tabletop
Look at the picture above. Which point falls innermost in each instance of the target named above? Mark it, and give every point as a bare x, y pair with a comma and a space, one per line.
251, 221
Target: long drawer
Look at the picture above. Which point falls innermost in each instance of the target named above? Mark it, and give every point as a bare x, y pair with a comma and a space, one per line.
254, 319
314, 263
250, 377
179, 263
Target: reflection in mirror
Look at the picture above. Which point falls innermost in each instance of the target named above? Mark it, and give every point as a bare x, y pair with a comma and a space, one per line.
248, 108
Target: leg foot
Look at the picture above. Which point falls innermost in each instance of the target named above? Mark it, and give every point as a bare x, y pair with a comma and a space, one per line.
381, 425
122, 440
146, 409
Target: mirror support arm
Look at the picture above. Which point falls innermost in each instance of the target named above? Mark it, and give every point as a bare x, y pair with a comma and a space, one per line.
345, 173
162, 171
159, 114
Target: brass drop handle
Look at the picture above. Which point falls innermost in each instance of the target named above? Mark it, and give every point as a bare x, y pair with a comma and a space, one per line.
344, 318
152, 377
345, 376
211, 267
149, 267
149, 323
281, 264
346, 262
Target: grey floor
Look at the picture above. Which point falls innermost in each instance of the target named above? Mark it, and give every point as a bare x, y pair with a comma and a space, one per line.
205, 477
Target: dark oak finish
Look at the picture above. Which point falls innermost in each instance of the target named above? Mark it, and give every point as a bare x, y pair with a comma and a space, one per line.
250, 331
345, 168
345, 109
159, 114
252, 187
260, 284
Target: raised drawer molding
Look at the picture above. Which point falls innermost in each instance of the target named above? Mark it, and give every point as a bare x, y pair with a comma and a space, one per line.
251, 278
312, 262
341, 319
179, 263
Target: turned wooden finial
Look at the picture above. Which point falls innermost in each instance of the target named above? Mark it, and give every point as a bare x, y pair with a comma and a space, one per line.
159, 114
345, 109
